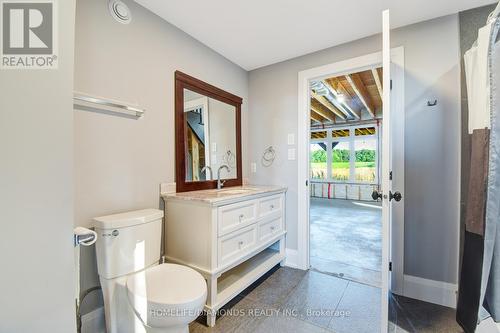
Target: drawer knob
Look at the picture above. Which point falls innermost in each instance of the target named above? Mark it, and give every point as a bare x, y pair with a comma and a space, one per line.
272, 206
241, 217
240, 243
273, 227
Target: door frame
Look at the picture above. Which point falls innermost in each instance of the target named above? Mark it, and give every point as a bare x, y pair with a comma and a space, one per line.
303, 138
193, 104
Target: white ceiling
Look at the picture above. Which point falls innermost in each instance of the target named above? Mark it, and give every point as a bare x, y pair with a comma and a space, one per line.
256, 33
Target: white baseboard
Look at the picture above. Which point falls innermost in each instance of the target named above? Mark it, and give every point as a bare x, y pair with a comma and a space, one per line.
437, 292
291, 259
93, 322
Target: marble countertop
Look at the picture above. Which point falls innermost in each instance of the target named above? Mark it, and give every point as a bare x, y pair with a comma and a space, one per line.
225, 195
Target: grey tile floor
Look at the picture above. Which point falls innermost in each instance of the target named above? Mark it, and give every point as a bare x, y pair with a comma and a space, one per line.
290, 300
346, 239
409, 315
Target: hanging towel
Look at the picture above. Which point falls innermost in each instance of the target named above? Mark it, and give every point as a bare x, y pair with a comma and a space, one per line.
476, 203
478, 80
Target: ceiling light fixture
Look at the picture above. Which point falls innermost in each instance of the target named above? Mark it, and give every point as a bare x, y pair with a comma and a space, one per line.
341, 98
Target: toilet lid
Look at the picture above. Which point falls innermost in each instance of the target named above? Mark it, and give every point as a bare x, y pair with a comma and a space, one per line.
167, 284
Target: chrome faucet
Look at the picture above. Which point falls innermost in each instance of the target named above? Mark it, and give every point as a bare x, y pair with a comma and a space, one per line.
220, 183
204, 169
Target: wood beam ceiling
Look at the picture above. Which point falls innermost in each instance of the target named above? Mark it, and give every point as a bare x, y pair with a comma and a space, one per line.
376, 77
317, 117
348, 96
360, 90
326, 103
340, 106
316, 107
337, 88
318, 135
340, 133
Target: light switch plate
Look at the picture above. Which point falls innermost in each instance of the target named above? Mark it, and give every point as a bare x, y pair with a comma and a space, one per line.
291, 154
214, 147
291, 138
253, 167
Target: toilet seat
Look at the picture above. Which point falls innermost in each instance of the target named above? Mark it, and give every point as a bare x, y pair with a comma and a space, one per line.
161, 293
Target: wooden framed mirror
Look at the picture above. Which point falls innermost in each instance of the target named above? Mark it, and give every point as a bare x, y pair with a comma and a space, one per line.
207, 135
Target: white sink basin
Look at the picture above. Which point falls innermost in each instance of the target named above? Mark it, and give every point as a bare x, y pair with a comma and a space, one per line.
231, 192
235, 191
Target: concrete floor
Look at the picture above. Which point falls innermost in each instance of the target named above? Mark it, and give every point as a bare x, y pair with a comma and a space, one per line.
346, 239
295, 301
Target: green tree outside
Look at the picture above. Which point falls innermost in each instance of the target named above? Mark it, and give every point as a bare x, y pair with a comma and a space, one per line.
342, 155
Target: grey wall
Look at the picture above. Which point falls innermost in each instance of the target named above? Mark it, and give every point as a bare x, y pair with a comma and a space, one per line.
37, 282
119, 162
432, 135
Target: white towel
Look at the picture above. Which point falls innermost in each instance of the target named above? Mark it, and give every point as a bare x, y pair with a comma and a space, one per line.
478, 80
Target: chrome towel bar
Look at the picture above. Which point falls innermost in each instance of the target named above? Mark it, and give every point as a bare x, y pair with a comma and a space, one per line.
86, 102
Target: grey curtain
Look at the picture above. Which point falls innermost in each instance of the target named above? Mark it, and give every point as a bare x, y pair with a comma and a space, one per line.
479, 289
490, 284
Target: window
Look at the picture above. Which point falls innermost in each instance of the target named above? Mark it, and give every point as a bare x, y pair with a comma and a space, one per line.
345, 155
340, 160
319, 169
365, 168
365, 147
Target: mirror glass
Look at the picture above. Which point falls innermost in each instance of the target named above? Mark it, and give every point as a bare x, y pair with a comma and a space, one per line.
210, 130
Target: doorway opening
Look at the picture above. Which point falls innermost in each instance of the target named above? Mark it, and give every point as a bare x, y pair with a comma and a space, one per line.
344, 169
389, 126
393, 234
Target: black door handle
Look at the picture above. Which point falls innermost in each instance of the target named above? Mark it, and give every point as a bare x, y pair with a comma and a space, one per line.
376, 195
396, 196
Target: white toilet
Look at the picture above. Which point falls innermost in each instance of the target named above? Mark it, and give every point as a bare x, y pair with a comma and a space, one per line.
140, 295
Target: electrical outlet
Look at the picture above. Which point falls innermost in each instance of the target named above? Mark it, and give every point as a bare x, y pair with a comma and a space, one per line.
253, 167
291, 154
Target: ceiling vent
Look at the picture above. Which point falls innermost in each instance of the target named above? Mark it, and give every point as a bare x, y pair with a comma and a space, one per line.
120, 11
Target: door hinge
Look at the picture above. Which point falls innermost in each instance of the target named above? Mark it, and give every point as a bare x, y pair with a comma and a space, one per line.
390, 266
390, 175
307, 183
391, 84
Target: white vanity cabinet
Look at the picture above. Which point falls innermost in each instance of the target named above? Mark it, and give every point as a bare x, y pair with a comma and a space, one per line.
232, 238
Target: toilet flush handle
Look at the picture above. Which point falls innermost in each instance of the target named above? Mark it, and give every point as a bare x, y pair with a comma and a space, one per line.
113, 233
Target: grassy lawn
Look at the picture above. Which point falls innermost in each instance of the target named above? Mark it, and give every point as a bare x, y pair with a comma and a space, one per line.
365, 171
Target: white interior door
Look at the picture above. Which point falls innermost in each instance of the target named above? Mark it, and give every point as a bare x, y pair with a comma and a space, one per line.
392, 176
386, 169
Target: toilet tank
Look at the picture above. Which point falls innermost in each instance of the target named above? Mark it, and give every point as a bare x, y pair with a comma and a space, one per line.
127, 242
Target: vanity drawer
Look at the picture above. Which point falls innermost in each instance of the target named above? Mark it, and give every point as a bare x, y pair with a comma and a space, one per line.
270, 205
236, 216
236, 244
270, 228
